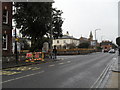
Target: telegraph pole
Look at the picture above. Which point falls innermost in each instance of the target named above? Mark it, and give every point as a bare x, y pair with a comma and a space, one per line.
51, 33
95, 35
16, 53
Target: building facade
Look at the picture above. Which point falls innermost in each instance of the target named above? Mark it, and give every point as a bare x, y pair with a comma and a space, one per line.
88, 40
66, 42
106, 45
6, 28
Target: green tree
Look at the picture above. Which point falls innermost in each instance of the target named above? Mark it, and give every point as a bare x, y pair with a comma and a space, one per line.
57, 23
71, 46
34, 20
84, 45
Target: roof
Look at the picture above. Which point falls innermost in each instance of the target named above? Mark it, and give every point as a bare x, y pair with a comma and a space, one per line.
83, 38
67, 37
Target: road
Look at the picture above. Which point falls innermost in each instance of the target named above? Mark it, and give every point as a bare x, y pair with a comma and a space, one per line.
74, 71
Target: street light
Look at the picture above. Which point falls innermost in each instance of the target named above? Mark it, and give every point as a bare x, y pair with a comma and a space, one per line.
102, 37
95, 32
95, 37
16, 54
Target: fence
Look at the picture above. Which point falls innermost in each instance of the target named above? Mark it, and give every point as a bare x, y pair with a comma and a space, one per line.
27, 56
74, 51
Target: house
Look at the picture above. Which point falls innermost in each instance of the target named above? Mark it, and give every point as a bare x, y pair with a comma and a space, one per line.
89, 40
66, 42
6, 28
106, 45
83, 39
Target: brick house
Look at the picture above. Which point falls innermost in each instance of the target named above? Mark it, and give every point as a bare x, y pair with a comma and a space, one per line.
106, 45
6, 28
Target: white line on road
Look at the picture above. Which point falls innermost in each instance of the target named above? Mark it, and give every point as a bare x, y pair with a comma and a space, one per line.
61, 63
102, 74
68, 61
23, 77
51, 65
61, 58
114, 58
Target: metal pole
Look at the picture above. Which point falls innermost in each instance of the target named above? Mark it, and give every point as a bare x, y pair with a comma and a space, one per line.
102, 37
95, 37
16, 54
51, 32
95, 34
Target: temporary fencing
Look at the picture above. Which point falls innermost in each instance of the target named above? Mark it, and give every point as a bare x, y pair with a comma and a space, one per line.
34, 56
74, 51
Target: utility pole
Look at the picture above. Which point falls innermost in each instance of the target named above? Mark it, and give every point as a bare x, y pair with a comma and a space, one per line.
16, 53
95, 38
51, 33
102, 37
95, 34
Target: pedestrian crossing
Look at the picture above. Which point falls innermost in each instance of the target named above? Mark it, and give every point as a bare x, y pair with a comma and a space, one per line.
17, 70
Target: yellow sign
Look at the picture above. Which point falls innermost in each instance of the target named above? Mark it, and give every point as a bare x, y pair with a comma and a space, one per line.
16, 39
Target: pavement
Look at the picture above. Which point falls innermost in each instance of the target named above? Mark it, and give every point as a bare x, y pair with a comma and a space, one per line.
114, 80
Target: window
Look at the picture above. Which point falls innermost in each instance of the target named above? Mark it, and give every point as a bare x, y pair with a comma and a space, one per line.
5, 16
4, 42
57, 41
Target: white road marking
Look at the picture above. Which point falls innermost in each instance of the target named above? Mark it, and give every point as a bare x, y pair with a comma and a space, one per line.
23, 77
62, 59
68, 61
114, 58
61, 63
52, 65
101, 75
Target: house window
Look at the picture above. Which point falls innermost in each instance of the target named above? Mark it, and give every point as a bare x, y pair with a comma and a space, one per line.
4, 42
5, 16
57, 41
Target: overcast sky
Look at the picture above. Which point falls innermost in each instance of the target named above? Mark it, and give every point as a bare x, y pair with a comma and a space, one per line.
83, 16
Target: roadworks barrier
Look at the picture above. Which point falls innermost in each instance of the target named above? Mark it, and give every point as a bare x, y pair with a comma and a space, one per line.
74, 51
34, 56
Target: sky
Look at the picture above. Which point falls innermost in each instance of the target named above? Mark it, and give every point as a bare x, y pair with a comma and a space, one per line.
82, 16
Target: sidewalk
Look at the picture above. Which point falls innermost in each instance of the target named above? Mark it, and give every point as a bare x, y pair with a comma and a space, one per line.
23, 63
114, 79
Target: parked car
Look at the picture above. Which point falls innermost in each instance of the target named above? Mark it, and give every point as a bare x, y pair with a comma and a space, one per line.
111, 51
105, 50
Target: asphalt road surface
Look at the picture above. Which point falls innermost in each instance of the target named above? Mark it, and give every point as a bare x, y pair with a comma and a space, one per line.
73, 71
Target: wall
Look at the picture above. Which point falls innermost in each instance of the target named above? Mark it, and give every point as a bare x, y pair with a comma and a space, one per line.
8, 28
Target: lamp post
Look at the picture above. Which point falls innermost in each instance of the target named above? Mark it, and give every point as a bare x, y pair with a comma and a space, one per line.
95, 32
95, 37
16, 54
51, 33
102, 37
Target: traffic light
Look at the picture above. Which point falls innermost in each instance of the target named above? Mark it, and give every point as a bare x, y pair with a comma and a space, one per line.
118, 41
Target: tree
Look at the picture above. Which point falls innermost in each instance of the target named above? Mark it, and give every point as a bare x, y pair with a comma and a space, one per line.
57, 23
84, 45
34, 20
24, 44
71, 46
118, 41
